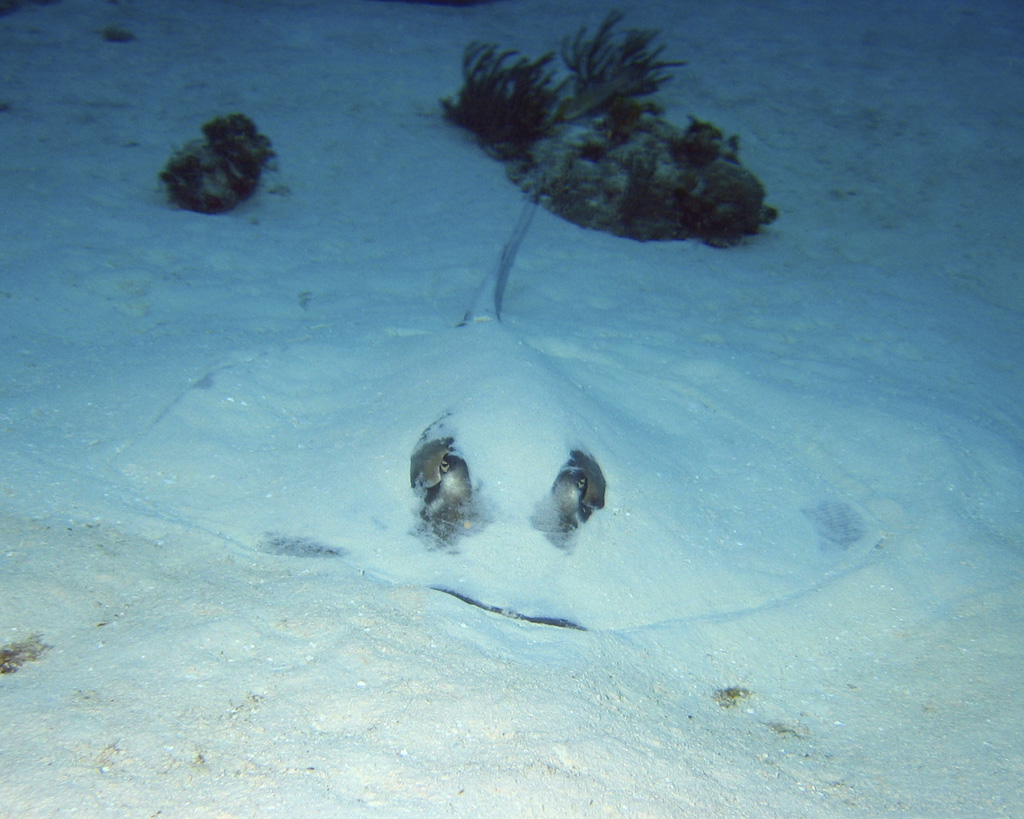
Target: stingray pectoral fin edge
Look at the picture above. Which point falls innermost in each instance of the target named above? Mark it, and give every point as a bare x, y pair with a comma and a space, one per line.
557, 622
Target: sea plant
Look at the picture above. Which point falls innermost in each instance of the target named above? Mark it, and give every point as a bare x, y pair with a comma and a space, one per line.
507, 100
607, 66
590, 144
215, 174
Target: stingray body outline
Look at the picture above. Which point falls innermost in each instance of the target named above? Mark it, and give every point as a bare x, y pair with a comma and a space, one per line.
703, 513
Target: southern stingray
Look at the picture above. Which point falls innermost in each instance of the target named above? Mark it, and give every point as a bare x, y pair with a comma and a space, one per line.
583, 489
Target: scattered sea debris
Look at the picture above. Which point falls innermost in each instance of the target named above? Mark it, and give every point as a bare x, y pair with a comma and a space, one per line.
298, 546
8, 6
14, 655
116, 34
732, 696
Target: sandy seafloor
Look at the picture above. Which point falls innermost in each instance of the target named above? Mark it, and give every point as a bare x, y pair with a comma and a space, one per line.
178, 390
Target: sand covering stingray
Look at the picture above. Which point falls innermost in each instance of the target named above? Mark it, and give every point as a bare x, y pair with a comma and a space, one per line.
705, 514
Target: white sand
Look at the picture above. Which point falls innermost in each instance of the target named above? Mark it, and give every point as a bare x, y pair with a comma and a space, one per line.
177, 388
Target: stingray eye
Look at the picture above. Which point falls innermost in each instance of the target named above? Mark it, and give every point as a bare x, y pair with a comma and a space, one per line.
581, 484
445, 464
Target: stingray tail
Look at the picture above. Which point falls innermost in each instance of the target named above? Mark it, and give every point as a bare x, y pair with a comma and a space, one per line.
487, 304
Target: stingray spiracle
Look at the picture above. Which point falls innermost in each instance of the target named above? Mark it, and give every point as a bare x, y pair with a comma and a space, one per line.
578, 490
440, 476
